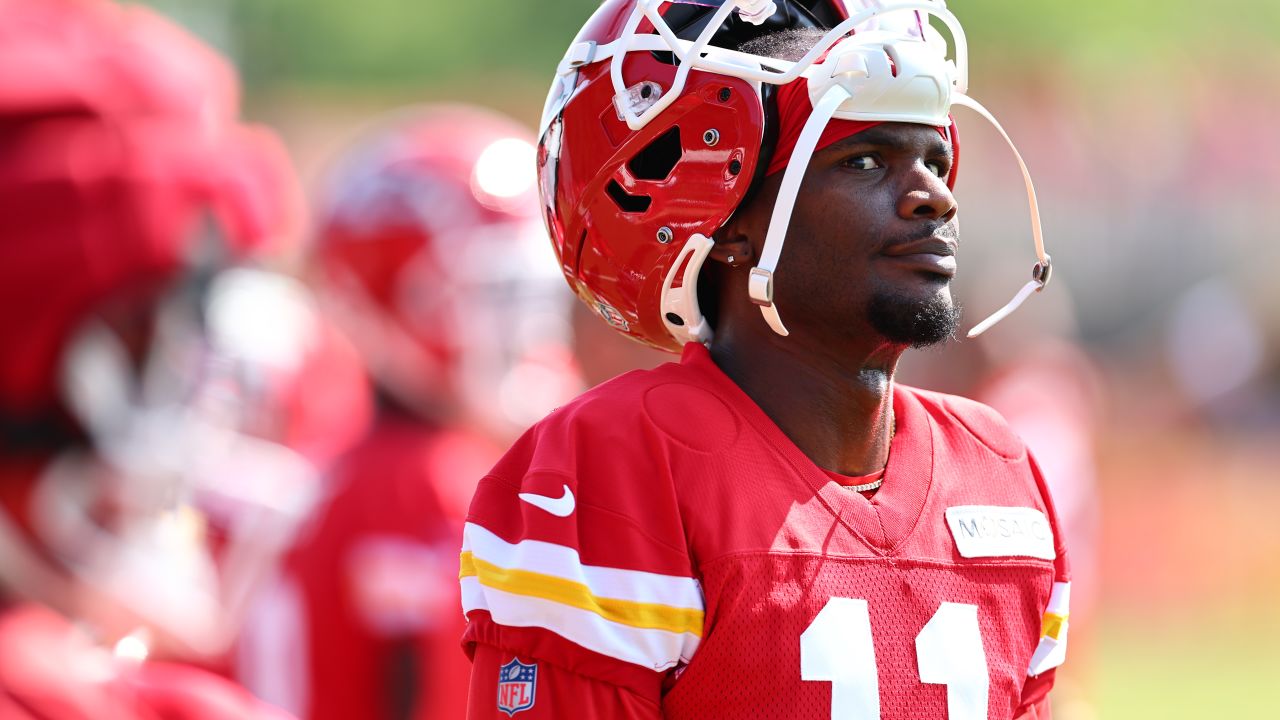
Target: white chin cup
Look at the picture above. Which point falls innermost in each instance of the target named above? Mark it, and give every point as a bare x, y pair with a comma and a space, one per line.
682, 302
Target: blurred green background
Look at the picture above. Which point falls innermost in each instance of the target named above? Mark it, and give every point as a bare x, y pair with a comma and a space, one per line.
1149, 127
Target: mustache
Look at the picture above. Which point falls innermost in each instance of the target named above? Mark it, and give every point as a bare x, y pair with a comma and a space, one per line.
935, 229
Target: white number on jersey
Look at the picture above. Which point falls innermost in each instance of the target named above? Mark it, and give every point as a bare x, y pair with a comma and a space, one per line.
837, 648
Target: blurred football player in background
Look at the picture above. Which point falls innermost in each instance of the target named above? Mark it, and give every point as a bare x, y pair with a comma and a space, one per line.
430, 253
137, 382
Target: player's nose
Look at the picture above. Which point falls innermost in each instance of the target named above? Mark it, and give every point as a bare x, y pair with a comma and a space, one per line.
925, 195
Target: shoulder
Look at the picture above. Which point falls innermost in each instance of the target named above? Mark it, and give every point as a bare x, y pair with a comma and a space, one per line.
594, 475
418, 469
385, 484
960, 419
643, 397
391, 447
576, 534
622, 424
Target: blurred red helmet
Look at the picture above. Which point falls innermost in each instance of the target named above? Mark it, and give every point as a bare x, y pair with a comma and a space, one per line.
127, 187
429, 242
121, 160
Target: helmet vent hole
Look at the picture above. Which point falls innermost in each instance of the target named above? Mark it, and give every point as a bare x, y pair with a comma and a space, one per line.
627, 202
659, 158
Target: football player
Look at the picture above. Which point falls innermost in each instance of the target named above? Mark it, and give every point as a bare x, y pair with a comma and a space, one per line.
429, 251
771, 527
127, 186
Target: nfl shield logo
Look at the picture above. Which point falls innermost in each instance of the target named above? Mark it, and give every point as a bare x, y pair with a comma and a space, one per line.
516, 685
612, 316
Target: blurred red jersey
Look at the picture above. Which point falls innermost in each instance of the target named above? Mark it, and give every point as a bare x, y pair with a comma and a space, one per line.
660, 549
364, 621
50, 670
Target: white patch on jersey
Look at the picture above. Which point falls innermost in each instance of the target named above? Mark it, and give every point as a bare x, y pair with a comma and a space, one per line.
994, 531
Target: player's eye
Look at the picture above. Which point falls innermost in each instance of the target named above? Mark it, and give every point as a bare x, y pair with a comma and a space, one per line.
864, 162
936, 168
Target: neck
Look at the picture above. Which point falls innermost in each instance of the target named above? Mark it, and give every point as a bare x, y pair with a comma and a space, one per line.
833, 401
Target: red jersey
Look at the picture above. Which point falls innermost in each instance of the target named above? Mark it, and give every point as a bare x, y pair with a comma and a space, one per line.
659, 548
50, 670
364, 621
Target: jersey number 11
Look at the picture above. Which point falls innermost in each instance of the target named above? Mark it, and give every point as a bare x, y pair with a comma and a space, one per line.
837, 648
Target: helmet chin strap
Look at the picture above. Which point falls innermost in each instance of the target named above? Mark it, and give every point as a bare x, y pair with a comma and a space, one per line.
1042, 271
760, 284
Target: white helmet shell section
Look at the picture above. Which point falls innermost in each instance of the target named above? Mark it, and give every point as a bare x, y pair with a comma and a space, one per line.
889, 78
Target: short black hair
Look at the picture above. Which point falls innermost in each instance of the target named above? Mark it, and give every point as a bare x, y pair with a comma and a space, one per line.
789, 45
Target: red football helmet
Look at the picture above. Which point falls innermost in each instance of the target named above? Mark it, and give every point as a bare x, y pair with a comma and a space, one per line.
138, 372
430, 246
656, 126
119, 141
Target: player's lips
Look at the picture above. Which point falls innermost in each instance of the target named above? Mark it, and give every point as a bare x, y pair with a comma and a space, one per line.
934, 254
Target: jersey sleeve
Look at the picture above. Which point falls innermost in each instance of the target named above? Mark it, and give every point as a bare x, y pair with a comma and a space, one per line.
574, 560
1051, 650
1039, 710
554, 693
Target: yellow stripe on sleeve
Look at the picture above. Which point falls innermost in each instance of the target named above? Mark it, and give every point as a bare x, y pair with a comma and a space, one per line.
1051, 625
649, 616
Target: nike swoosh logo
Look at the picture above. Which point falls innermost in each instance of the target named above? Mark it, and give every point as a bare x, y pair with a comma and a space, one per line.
560, 507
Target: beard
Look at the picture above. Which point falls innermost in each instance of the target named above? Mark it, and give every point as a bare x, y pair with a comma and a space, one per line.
916, 322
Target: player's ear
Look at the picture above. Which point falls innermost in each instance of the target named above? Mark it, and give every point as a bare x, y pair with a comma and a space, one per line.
732, 247
742, 235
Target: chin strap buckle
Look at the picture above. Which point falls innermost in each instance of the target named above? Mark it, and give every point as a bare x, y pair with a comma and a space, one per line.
1043, 268
1041, 272
760, 290
760, 287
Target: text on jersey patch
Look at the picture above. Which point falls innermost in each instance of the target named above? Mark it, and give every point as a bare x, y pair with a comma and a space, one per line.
994, 531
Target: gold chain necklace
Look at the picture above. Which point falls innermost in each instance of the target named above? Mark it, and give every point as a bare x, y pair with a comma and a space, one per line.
875, 484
